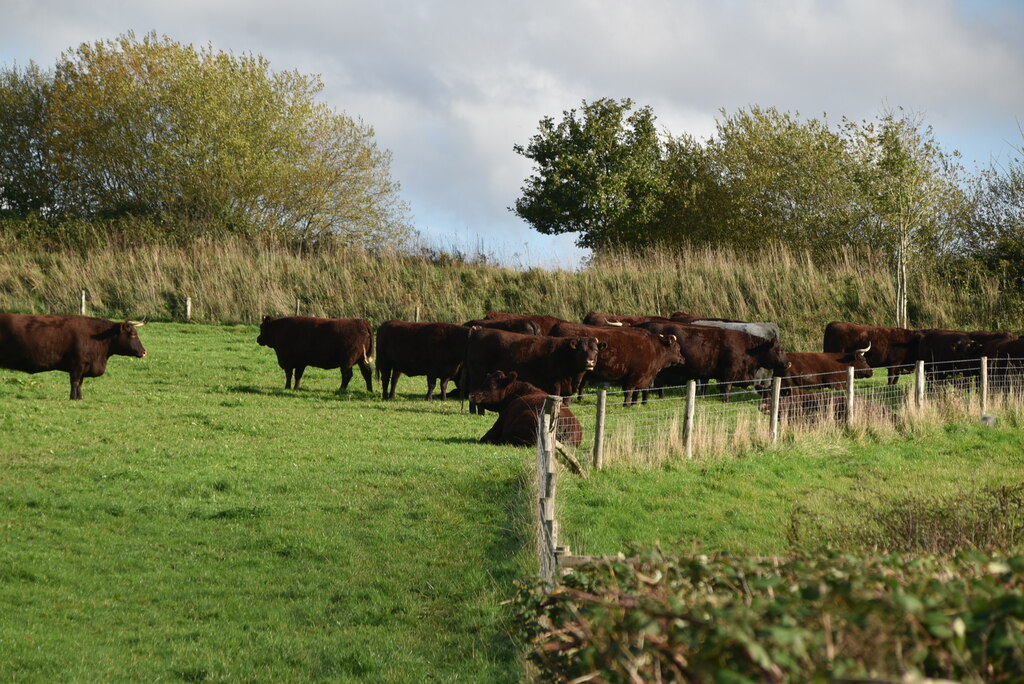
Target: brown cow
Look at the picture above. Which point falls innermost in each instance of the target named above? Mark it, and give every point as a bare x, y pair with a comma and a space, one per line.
728, 356
632, 357
892, 348
825, 369
554, 364
518, 405
436, 350
595, 318
524, 326
301, 341
542, 322
77, 345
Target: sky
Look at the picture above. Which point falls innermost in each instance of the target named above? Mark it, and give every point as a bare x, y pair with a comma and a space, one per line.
450, 87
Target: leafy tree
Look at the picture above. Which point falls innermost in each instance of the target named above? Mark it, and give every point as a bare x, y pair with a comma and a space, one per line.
911, 193
598, 173
26, 176
154, 128
764, 177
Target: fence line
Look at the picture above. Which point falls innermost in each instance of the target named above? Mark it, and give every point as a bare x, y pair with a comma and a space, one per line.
681, 425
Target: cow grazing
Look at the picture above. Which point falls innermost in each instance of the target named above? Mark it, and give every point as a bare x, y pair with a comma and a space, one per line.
631, 357
892, 348
302, 341
825, 369
727, 356
542, 323
435, 350
77, 345
518, 405
554, 364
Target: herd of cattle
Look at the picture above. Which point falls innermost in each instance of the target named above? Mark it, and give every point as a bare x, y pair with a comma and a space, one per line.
509, 362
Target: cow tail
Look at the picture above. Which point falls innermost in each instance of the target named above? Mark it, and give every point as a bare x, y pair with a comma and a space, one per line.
368, 347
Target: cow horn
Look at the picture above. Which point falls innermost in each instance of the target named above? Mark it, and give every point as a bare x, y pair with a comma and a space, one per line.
865, 350
138, 324
615, 323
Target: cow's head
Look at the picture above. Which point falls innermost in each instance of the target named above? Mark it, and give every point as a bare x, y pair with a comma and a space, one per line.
265, 338
125, 340
586, 350
495, 388
674, 356
769, 355
857, 359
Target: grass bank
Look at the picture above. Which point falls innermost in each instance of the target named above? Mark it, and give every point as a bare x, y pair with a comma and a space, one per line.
239, 281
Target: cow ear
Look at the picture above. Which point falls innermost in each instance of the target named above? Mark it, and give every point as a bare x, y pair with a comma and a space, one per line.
602, 345
266, 319
512, 376
574, 344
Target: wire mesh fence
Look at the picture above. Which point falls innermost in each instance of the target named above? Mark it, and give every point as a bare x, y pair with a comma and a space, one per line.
667, 427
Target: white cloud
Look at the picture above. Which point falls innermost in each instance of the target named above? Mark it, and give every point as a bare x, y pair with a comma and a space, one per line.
450, 86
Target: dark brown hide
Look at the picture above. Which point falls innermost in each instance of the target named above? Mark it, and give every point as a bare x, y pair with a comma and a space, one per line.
328, 343
893, 348
77, 345
435, 350
518, 405
728, 356
554, 364
630, 357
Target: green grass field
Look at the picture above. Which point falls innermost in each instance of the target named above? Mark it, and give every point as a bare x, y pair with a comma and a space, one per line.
190, 520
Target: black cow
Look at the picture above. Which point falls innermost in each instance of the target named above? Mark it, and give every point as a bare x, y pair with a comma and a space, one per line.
77, 345
302, 341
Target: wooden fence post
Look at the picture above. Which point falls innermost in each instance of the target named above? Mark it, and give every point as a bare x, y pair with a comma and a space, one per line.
691, 401
919, 385
776, 392
188, 309
547, 476
849, 395
82, 307
296, 306
984, 386
602, 400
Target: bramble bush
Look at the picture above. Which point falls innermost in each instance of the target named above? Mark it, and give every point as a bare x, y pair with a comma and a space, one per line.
661, 617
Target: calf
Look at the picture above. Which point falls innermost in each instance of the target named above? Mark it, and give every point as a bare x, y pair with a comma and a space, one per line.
301, 341
77, 345
436, 350
632, 357
824, 369
554, 364
518, 405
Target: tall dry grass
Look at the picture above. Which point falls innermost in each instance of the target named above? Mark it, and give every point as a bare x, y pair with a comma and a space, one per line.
234, 280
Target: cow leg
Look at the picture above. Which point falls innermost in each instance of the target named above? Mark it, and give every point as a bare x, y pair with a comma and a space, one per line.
431, 383
299, 370
346, 377
76, 385
367, 370
444, 389
894, 376
395, 374
288, 378
726, 387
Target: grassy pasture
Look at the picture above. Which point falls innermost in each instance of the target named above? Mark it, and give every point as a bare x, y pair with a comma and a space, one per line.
192, 520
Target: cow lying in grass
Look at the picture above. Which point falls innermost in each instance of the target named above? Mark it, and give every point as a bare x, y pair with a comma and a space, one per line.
518, 404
